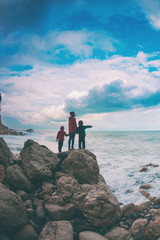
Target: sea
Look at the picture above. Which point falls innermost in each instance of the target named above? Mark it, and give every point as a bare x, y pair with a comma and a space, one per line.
120, 156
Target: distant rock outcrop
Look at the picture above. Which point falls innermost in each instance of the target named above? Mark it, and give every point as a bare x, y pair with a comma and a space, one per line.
4, 130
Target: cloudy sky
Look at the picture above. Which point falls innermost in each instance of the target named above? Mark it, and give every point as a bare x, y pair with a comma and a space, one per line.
100, 59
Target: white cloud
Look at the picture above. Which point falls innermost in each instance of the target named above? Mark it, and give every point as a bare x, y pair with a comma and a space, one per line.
42, 95
151, 8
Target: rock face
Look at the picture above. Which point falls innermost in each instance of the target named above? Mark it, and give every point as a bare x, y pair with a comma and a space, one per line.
5, 153
12, 210
38, 161
82, 165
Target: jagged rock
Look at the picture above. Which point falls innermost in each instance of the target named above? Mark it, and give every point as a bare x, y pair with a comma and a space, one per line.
118, 234
88, 235
57, 212
67, 186
17, 179
5, 153
38, 161
138, 227
27, 233
61, 230
2, 173
81, 164
153, 230
12, 210
97, 205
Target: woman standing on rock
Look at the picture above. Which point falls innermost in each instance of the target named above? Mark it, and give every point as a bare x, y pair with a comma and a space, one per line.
72, 130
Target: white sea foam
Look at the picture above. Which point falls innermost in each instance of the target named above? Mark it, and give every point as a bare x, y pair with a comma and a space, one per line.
120, 156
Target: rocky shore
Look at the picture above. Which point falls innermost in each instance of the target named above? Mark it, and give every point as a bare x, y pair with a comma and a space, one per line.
48, 196
4, 130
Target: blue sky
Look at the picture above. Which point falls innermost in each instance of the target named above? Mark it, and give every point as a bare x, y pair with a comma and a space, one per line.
100, 59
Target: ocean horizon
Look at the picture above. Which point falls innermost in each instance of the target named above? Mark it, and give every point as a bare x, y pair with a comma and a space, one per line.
120, 156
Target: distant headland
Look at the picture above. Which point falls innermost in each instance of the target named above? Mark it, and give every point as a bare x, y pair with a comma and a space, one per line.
4, 130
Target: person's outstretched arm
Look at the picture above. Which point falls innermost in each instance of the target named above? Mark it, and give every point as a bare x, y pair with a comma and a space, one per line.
88, 126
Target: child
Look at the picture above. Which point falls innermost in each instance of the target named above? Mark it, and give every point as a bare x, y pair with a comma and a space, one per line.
60, 138
72, 130
81, 132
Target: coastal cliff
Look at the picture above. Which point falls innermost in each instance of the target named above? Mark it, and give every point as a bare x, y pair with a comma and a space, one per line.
44, 195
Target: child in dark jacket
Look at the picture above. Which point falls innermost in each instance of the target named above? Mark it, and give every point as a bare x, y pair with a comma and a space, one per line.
82, 134
60, 138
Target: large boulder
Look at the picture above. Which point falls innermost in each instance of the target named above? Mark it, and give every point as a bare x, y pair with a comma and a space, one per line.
98, 206
138, 227
81, 164
12, 210
17, 179
95, 203
5, 153
38, 161
58, 230
152, 230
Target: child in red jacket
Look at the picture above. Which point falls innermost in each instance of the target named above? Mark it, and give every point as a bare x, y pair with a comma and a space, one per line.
60, 138
72, 130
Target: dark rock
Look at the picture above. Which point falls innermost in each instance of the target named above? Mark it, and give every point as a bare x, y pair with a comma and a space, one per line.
5, 153
29, 130
12, 210
81, 164
27, 233
4, 130
38, 161
2, 173
3, 236
17, 179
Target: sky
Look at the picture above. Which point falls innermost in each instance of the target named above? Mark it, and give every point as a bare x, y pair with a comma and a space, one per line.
100, 59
